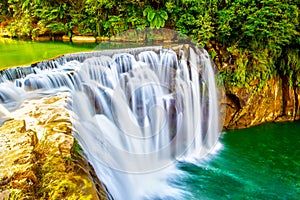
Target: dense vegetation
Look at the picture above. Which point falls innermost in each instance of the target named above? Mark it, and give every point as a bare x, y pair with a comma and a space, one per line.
249, 39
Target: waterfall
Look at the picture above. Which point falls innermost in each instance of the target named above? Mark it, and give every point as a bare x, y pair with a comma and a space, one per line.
135, 111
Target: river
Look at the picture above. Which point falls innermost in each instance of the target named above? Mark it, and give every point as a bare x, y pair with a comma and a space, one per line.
261, 162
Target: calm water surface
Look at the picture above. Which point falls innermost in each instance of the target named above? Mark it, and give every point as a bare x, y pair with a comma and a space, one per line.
19, 53
262, 162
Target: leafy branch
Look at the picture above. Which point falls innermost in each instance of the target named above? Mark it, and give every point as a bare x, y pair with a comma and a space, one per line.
156, 18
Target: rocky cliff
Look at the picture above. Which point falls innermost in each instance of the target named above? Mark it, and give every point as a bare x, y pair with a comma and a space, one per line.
249, 106
259, 85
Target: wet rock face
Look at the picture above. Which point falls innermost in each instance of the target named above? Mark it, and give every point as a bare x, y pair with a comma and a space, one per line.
246, 107
37, 155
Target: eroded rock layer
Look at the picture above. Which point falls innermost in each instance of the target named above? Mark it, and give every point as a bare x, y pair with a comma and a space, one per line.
39, 158
249, 106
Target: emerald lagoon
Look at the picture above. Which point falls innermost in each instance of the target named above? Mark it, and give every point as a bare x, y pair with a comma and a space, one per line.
262, 162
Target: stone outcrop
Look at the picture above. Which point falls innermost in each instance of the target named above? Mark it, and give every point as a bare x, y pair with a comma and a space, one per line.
39, 158
249, 106
83, 39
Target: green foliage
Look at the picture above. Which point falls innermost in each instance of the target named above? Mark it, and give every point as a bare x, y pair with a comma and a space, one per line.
251, 66
270, 22
156, 18
3, 10
52, 19
77, 148
262, 30
193, 18
21, 27
289, 65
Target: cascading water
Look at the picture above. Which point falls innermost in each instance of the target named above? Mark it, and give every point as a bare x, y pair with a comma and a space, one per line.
135, 111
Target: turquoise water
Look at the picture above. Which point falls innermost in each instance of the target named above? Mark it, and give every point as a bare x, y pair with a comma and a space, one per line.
261, 162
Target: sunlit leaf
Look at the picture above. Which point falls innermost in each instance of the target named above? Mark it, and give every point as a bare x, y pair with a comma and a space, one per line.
151, 15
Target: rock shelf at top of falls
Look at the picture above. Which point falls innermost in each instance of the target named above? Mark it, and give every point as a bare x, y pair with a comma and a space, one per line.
37, 156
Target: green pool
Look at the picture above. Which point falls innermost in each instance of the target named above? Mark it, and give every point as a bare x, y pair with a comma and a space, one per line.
261, 162
19, 53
